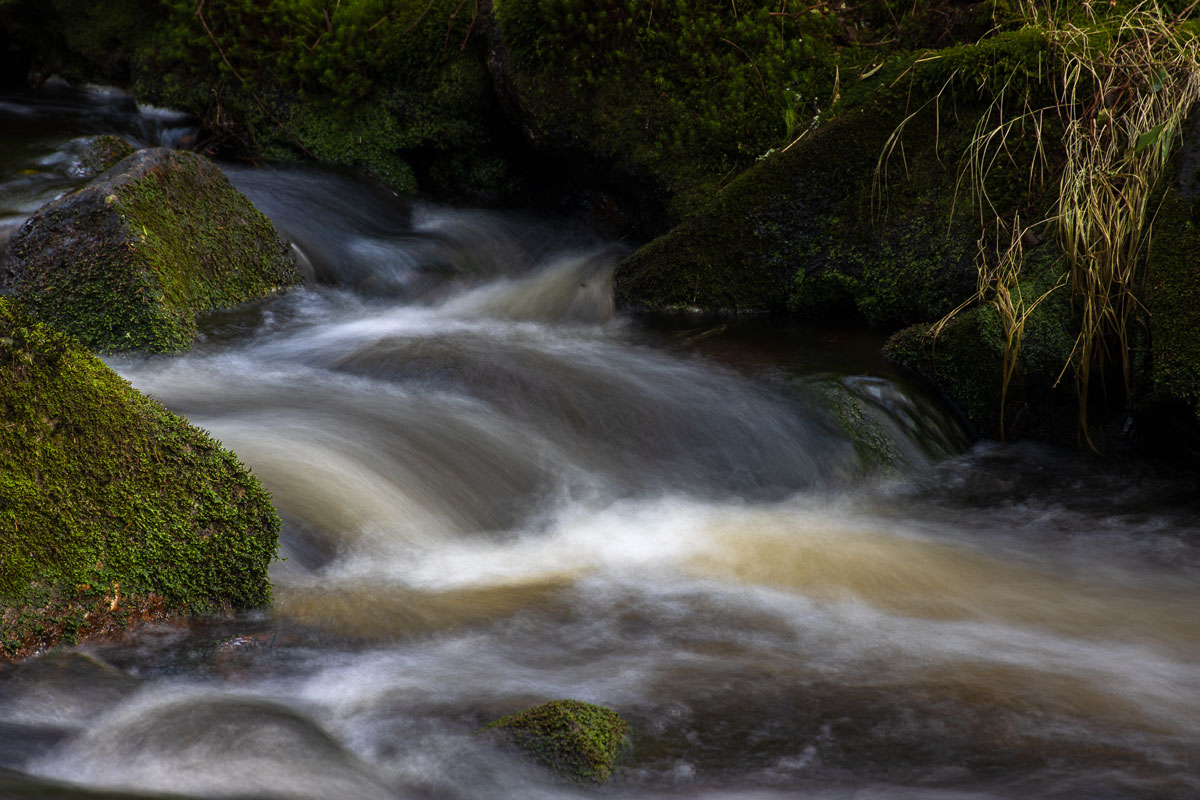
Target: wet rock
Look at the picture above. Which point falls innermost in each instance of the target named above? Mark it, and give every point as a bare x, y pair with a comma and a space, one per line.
130, 260
890, 428
579, 741
965, 361
101, 153
112, 509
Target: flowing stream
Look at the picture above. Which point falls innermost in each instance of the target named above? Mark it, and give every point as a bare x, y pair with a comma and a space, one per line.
498, 491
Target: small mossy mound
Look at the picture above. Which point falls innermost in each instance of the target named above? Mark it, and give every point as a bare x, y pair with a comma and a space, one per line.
890, 427
109, 503
131, 259
577, 740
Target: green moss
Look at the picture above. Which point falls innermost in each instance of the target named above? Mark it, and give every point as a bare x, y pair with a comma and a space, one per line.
577, 740
129, 262
1173, 300
106, 495
965, 361
874, 448
378, 86
364, 85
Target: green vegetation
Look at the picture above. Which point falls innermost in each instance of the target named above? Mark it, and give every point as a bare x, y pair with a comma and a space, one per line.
1069, 124
1003, 391
387, 86
128, 262
577, 740
109, 503
899, 162
830, 223
692, 93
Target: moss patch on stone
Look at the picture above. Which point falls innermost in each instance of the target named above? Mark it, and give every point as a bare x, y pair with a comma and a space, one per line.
130, 260
579, 741
109, 503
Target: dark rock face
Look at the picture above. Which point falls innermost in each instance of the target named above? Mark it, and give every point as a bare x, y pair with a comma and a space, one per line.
131, 259
112, 509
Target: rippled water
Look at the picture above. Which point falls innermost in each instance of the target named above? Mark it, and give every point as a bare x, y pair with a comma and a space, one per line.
499, 491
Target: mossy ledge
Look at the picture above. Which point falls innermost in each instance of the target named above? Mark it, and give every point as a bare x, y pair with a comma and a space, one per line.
131, 259
111, 507
579, 741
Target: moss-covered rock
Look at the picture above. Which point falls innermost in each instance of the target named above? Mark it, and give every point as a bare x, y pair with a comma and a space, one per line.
966, 362
868, 212
805, 230
889, 426
131, 259
577, 740
101, 153
112, 507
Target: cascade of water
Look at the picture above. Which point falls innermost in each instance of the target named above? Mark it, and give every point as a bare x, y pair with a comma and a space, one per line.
790, 576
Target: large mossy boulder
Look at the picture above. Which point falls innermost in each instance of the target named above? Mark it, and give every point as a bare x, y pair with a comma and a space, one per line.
810, 230
871, 212
579, 741
110, 505
130, 260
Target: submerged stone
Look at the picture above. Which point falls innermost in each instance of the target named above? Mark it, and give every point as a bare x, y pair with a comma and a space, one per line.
577, 740
112, 509
890, 426
130, 260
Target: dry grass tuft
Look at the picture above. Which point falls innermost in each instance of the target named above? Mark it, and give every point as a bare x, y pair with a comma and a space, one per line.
1123, 88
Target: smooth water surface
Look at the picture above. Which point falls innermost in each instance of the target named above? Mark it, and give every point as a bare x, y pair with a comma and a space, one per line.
498, 491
